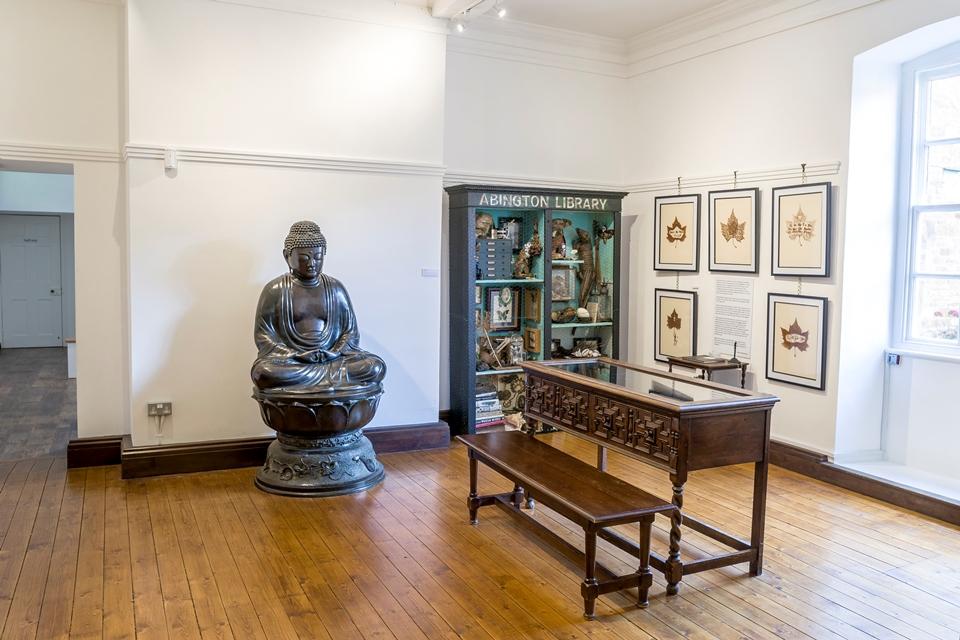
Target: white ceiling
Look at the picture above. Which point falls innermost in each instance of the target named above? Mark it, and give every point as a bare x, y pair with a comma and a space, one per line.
612, 18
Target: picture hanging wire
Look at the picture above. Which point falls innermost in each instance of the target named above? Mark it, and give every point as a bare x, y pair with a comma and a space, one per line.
678, 185
803, 173
799, 286
678, 280
734, 179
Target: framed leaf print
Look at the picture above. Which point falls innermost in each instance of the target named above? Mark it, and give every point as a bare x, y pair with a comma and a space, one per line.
675, 323
801, 230
797, 339
733, 216
676, 238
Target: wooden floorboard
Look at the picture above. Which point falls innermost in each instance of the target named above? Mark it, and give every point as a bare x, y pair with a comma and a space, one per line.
85, 554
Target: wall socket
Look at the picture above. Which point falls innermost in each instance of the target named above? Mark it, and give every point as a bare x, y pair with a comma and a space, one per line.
893, 358
159, 408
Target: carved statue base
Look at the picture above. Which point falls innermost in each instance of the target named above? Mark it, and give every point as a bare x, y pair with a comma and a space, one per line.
320, 448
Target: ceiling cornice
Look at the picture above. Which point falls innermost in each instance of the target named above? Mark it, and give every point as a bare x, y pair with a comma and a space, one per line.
386, 13
724, 25
544, 46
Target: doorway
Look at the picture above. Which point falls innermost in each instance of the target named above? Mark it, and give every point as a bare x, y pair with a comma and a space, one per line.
38, 397
30, 282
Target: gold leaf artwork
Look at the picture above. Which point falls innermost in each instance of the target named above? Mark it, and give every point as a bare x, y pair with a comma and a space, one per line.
733, 230
799, 228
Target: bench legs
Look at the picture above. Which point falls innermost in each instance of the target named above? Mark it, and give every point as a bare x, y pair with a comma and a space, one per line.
590, 589
642, 579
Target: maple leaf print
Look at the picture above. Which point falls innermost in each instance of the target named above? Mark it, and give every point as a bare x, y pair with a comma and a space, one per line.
676, 232
674, 322
799, 228
795, 338
733, 229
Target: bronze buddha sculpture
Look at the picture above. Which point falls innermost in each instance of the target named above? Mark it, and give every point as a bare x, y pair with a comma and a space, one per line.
306, 331
315, 386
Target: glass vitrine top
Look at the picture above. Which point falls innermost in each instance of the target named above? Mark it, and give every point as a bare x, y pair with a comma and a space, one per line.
649, 382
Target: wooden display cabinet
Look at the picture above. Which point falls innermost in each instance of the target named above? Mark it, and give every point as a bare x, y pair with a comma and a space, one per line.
479, 297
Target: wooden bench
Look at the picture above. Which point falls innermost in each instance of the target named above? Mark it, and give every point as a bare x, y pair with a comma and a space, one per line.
574, 489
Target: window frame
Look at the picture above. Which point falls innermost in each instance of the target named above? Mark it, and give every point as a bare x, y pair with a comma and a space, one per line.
916, 76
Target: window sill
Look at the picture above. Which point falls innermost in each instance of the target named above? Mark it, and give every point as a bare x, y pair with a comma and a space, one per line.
921, 354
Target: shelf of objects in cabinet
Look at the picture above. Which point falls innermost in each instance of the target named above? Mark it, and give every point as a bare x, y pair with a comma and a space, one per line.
519, 281
500, 372
573, 325
568, 262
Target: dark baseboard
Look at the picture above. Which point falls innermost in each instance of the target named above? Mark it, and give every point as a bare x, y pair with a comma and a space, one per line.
140, 462
816, 465
94, 452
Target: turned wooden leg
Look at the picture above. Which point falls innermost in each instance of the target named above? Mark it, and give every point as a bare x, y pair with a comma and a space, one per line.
589, 588
517, 497
674, 567
473, 503
646, 578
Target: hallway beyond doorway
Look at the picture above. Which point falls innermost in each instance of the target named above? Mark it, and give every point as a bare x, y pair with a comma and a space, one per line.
38, 403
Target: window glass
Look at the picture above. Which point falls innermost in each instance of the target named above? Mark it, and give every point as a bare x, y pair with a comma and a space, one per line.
938, 242
936, 310
943, 111
943, 174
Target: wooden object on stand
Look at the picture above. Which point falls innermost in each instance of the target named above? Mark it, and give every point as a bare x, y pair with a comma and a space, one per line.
676, 423
594, 500
708, 364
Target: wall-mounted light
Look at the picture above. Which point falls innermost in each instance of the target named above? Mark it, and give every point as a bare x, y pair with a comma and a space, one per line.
501, 10
458, 25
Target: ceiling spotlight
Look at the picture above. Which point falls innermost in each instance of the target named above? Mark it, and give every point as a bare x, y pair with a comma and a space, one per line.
459, 26
501, 11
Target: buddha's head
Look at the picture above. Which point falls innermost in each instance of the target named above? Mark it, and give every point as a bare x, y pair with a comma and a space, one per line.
304, 249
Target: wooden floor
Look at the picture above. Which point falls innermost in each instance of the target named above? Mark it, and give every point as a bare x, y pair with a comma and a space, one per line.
85, 554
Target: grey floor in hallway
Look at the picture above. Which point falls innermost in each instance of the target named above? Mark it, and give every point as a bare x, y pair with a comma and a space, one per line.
38, 403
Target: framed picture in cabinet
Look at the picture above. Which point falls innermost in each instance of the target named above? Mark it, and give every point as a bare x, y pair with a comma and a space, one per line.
676, 238
801, 230
732, 219
562, 284
503, 308
675, 323
532, 304
797, 339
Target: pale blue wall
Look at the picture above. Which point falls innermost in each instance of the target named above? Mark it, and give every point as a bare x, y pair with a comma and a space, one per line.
42, 192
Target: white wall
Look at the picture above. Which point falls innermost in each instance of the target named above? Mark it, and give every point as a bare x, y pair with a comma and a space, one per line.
204, 240
772, 102
60, 61
511, 118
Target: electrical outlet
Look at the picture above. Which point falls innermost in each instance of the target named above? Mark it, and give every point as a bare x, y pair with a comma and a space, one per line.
893, 358
159, 408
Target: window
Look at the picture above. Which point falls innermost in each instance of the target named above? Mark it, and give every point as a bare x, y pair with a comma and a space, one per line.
930, 234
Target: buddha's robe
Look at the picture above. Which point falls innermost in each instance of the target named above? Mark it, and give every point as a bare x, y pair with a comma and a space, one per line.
291, 360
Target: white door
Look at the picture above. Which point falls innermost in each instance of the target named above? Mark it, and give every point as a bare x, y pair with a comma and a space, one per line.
30, 281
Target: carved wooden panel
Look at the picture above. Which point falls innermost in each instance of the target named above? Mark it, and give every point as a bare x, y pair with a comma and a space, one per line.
563, 405
635, 428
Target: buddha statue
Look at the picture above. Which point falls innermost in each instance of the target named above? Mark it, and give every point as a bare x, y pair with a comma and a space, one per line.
306, 331
316, 387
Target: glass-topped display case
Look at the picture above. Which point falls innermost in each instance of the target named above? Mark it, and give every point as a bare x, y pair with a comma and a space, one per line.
533, 276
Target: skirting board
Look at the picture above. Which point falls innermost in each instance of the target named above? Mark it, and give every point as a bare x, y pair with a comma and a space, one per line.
816, 465
140, 462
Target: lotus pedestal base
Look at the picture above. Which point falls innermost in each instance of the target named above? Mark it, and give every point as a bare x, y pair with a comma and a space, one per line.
322, 467
320, 448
